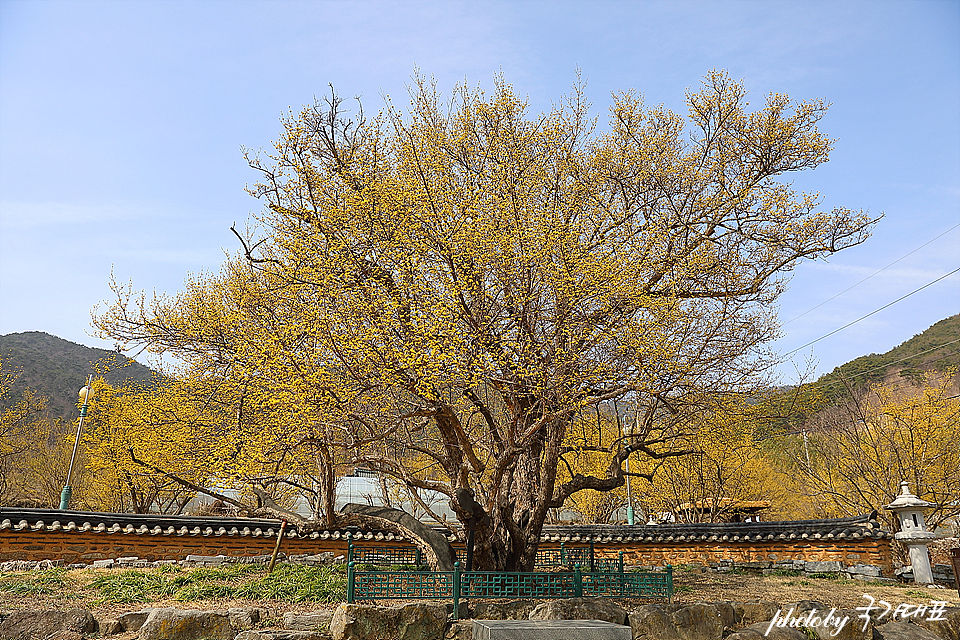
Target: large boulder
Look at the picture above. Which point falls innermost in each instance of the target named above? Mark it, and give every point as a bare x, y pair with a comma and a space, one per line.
758, 631
409, 622
38, 625
65, 634
817, 622
677, 622
747, 613
187, 624
512, 610
843, 624
903, 631
652, 622
698, 622
281, 634
947, 628
579, 609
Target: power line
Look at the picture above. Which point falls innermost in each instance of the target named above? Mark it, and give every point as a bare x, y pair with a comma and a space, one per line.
871, 275
884, 366
850, 324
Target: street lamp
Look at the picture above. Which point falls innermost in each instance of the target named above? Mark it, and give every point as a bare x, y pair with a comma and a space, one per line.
85, 394
630, 431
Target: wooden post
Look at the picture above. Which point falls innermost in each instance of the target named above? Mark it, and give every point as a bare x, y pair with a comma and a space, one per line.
276, 549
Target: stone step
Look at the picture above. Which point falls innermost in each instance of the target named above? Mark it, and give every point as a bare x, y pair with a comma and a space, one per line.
549, 630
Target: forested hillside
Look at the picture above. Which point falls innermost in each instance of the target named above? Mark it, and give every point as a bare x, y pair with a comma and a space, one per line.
936, 349
56, 369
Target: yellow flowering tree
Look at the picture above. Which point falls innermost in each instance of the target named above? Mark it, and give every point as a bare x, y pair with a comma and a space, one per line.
728, 468
442, 292
23, 427
856, 454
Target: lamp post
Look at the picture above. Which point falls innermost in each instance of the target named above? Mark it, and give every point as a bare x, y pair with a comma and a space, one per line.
85, 394
629, 431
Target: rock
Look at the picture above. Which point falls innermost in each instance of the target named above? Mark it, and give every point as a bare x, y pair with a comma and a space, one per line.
852, 629
804, 605
134, 620
830, 566
462, 630
512, 610
948, 628
281, 634
103, 564
728, 614
579, 609
65, 635
30, 625
652, 622
747, 613
677, 622
758, 631
462, 614
698, 622
868, 570
308, 622
814, 620
409, 622
242, 618
187, 624
903, 631
109, 627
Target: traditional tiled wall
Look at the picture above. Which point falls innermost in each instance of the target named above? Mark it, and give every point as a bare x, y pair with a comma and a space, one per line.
872, 551
88, 546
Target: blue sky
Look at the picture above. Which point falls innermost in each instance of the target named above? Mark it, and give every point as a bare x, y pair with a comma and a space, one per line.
121, 125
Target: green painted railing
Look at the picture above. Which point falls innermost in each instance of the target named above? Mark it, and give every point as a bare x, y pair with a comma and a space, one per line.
384, 555
582, 557
457, 585
389, 555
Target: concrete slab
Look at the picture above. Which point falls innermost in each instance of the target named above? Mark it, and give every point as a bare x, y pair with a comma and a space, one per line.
549, 630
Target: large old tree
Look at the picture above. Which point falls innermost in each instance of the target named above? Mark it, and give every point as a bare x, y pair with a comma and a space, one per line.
440, 294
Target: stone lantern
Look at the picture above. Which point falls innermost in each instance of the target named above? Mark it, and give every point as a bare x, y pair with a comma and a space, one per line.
913, 531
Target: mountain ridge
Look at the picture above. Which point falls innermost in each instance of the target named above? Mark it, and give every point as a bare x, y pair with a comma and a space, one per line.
57, 369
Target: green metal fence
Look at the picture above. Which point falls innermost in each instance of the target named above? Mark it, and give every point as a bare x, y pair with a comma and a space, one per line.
582, 557
390, 555
457, 585
384, 555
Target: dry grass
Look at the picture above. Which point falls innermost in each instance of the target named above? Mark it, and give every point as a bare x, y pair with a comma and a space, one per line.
840, 593
64, 590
